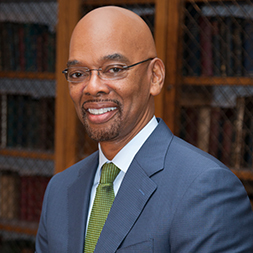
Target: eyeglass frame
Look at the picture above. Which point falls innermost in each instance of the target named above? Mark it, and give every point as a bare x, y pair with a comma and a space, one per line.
65, 71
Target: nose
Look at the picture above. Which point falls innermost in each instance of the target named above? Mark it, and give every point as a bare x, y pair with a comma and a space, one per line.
95, 86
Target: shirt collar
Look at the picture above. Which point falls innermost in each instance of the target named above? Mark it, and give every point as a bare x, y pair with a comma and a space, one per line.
126, 155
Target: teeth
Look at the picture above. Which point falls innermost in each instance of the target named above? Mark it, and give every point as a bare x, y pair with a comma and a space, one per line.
101, 110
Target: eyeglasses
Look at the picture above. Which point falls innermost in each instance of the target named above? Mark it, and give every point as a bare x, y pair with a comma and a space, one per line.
77, 74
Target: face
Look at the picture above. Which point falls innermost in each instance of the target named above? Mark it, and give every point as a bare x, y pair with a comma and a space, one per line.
110, 110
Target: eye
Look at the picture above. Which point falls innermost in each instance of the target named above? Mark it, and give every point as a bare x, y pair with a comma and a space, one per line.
77, 74
114, 69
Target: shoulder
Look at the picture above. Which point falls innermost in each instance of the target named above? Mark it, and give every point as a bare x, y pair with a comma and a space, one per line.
70, 174
193, 155
190, 164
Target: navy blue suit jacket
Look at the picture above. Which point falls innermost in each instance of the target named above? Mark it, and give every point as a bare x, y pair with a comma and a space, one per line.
173, 198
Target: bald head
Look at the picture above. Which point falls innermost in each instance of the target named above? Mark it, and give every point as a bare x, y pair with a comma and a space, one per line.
115, 28
116, 43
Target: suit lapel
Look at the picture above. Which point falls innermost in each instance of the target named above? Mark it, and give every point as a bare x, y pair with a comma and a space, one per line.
78, 205
135, 191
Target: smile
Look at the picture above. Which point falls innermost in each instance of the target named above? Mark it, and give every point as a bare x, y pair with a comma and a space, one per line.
101, 110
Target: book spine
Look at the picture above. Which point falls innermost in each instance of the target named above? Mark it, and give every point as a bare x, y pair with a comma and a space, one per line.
15, 48
229, 46
240, 109
1, 46
191, 135
32, 193
215, 131
21, 47
228, 138
27, 47
206, 46
248, 48
9, 195
204, 128
223, 48
192, 45
11, 121
51, 52
3, 103
216, 47
238, 47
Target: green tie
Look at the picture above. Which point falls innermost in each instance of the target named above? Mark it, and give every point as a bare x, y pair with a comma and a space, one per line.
101, 206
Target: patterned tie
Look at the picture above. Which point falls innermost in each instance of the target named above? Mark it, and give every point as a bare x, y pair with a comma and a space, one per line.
101, 206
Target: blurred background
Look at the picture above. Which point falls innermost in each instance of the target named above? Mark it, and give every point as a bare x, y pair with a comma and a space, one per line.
207, 47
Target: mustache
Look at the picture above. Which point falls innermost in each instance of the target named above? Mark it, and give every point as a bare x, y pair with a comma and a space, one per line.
101, 100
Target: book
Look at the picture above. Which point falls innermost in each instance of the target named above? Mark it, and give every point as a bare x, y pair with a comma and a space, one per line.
228, 131
248, 133
228, 46
47, 123
32, 192
223, 49
15, 47
204, 128
240, 109
27, 47
6, 46
11, 121
9, 196
30, 47
214, 131
237, 41
51, 52
248, 48
17, 246
1, 46
3, 120
206, 32
192, 64
191, 129
216, 41
21, 47
30, 122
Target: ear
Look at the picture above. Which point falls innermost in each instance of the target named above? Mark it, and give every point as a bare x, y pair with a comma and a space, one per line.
158, 76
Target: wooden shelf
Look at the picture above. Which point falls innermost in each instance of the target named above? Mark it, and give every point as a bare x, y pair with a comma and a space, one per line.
27, 154
119, 2
208, 1
212, 80
27, 75
243, 174
17, 226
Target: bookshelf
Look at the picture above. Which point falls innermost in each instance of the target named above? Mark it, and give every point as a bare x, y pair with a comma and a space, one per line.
27, 116
175, 31
216, 63
187, 90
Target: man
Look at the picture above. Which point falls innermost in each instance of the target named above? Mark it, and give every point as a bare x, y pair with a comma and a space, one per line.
169, 195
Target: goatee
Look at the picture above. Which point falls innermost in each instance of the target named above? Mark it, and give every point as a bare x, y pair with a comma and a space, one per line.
105, 133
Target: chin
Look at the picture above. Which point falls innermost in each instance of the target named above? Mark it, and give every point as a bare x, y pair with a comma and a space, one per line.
103, 134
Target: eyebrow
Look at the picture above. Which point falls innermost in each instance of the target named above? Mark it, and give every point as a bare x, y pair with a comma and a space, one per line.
116, 56
72, 63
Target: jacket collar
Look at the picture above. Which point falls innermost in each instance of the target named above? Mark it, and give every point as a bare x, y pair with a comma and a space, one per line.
78, 203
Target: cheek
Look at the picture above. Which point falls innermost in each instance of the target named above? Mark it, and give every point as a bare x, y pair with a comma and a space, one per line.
75, 93
135, 95
76, 96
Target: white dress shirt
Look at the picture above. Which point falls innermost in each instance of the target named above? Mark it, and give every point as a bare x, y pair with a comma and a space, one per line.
122, 160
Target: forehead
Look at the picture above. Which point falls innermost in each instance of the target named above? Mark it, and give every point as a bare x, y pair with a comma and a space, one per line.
116, 57
99, 42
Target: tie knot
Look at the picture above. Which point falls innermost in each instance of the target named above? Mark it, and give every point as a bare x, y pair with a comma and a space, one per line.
109, 173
